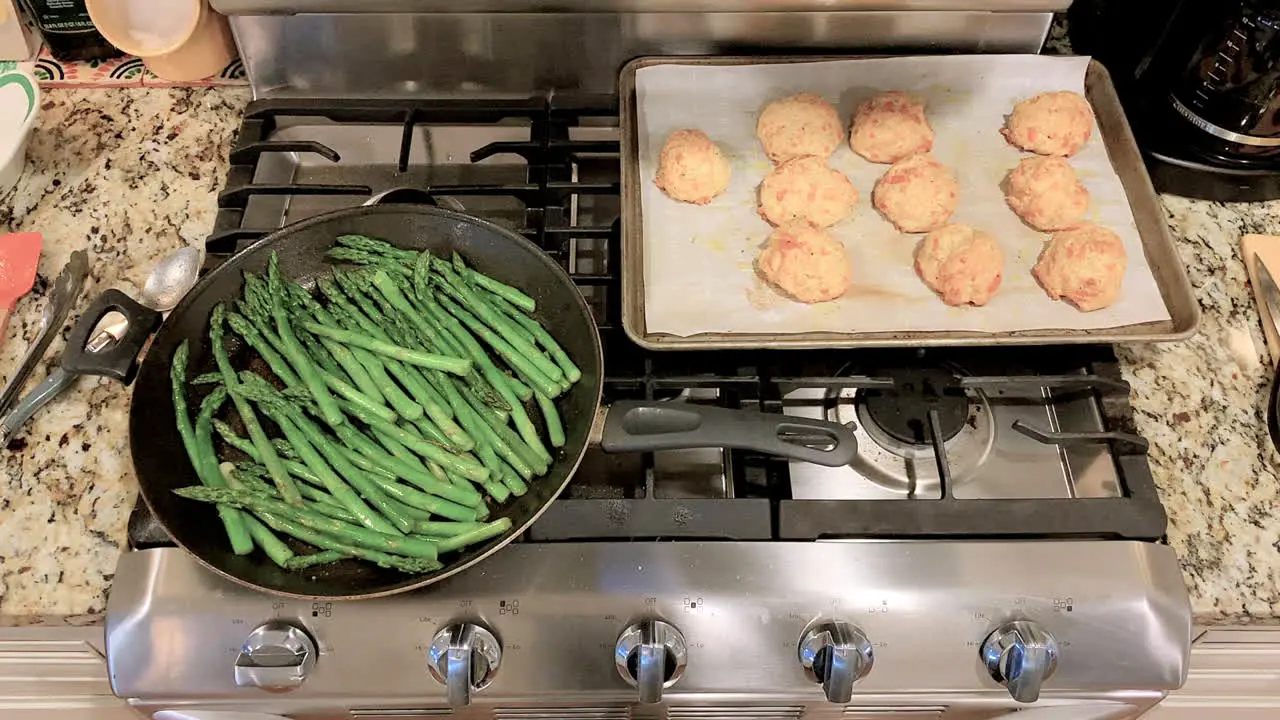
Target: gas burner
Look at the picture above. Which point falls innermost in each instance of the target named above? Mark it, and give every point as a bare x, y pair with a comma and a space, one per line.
903, 411
895, 451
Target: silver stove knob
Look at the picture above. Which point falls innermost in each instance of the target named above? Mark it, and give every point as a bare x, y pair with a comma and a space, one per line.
1021, 655
276, 656
651, 655
464, 658
836, 654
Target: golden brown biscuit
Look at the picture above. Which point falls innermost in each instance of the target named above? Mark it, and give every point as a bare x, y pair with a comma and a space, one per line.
803, 124
805, 188
1084, 266
964, 266
691, 168
1045, 193
1051, 123
917, 194
889, 127
805, 263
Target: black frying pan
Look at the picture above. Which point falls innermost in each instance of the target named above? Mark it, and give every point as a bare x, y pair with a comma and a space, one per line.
161, 462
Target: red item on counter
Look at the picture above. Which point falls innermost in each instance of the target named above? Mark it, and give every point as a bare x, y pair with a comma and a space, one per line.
19, 256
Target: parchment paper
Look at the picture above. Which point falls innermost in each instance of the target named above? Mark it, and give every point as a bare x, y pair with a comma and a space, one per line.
698, 270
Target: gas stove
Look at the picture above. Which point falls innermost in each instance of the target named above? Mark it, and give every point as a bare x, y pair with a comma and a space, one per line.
997, 541
999, 526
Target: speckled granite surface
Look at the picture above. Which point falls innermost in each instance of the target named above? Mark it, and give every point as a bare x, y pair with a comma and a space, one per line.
131, 174
1200, 403
128, 175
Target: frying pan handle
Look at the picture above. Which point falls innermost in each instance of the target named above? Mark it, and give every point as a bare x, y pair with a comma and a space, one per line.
637, 426
119, 360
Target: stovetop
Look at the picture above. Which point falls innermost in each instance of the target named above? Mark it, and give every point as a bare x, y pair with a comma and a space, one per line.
1036, 442
759, 556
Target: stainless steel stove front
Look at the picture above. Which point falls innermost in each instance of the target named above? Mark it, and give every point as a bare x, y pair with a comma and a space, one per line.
1116, 611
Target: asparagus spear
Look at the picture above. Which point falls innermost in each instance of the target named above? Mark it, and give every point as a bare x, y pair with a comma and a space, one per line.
457, 366
329, 459
262, 535
379, 247
485, 532
455, 463
506, 292
293, 349
444, 528
317, 465
397, 469
572, 372
245, 329
555, 429
324, 557
266, 452
232, 519
454, 287
518, 362
404, 545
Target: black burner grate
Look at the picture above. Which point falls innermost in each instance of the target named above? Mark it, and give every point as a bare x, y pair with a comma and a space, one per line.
760, 507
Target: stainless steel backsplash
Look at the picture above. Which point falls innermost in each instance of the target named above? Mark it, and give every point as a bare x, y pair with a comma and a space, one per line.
292, 7
497, 54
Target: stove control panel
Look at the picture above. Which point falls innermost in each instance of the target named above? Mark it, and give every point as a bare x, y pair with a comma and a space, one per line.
277, 656
1021, 655
821, 623
836, 654
464, 657
651, 655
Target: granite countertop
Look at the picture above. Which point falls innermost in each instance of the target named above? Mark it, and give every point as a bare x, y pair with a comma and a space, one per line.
1201, 405
132, 174
129, 175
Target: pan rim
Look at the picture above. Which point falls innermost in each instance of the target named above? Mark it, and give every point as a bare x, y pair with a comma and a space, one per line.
288, 231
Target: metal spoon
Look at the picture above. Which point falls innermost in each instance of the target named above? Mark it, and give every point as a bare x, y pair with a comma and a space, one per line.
170, 280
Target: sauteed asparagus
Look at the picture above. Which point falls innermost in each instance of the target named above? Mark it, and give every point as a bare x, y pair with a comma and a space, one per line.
402, 399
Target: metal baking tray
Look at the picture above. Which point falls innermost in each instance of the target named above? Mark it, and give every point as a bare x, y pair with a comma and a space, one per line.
1162, 256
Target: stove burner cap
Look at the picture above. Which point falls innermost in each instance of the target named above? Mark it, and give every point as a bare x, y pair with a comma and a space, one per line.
903, 411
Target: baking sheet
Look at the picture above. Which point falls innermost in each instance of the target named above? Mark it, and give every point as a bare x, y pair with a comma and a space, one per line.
698, 275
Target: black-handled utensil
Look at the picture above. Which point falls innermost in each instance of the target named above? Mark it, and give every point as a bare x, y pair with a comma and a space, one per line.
113, 345
118, 360
633, 426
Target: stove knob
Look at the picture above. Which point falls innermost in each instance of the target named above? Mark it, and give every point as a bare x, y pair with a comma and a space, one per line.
1021, 655
651, 655
276, 656
463, 658
836, 654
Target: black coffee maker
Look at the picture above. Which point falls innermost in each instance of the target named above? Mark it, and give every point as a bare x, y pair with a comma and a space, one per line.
1200, 81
